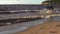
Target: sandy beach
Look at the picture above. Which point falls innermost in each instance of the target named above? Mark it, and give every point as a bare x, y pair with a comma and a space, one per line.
46, 28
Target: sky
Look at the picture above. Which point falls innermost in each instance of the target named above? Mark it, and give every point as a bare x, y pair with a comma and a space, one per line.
21, 1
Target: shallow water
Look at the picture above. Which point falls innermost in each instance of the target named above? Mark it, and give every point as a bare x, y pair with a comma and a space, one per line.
25, 25
21, 26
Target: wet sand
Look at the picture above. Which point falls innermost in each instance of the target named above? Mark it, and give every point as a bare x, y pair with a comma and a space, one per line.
46, 28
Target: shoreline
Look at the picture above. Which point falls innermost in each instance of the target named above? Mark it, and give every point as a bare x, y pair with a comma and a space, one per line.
46, 28
20, 27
